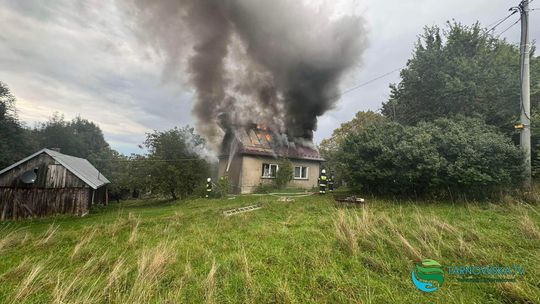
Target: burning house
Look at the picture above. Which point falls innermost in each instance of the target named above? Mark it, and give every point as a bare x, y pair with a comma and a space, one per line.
247, 66
250, 154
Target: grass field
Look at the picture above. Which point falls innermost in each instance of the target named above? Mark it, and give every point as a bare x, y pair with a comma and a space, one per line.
306, 251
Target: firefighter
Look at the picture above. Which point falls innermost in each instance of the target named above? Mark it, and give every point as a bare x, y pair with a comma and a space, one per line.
322, 182
331, 183
208, 187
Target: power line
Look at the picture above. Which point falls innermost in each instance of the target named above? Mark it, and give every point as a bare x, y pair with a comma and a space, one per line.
150, 160
499, 35
501, 21
497, 23
365, 83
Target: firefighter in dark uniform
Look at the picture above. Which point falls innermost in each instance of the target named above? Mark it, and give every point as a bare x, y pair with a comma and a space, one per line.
323, 182
331, 183
208, 187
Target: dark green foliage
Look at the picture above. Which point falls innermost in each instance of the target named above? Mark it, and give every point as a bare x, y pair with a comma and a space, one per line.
461, 155
330, 147
284, 174
223, 186
265, 188
78, 137
535, 140
15, 141
118, 169
174, 165
461, 70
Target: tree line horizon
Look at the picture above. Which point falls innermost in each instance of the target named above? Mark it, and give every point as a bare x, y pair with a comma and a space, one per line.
447, 127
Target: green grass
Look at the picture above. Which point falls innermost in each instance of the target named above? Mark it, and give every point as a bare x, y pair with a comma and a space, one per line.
306, 251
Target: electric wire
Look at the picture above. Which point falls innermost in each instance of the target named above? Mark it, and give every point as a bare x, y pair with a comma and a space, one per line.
366, 83
501, 21
497, 23
504, 31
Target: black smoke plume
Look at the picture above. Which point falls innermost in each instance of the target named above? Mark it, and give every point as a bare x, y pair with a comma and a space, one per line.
273, 62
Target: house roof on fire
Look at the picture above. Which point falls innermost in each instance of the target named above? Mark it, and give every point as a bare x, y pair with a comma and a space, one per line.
81, 167
262, 141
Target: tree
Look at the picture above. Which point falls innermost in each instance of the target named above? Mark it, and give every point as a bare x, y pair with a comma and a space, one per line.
175, 166
458, 155
16, 142
284, 174
461, 70
78, 137
329, 147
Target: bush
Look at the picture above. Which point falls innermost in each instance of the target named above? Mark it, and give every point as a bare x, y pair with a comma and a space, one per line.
264, 188
284, 174
223, 186
461, 155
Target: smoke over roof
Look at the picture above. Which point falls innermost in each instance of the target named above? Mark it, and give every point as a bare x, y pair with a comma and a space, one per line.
274, 62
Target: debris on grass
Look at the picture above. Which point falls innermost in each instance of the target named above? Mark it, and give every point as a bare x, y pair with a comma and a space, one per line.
241, 210
353, 200
285, 199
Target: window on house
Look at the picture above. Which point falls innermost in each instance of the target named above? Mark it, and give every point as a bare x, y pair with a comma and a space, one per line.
300, 172
269, 170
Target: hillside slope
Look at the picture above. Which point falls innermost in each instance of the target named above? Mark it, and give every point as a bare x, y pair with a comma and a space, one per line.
306, 251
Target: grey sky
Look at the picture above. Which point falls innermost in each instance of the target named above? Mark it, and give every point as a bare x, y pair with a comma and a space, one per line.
81, 58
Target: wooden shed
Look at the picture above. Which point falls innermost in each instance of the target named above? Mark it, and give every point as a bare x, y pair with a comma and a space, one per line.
49, 182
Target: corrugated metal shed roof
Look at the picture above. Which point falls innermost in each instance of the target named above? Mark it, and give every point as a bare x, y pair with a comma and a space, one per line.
81, 167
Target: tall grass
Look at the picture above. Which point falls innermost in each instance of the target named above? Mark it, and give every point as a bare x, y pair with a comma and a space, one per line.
28, 285
210, 284
134, 230
305, 252
49, 234
529, 228
151, 265
87, 238
64, 286
346, 233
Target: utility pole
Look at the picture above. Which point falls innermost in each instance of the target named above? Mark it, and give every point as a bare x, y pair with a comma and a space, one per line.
525, 104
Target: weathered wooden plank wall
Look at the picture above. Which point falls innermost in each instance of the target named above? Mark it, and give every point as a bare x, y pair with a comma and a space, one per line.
101, 196
18, 203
